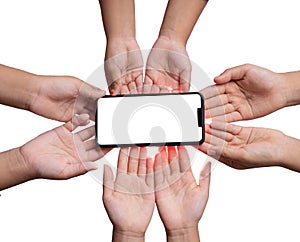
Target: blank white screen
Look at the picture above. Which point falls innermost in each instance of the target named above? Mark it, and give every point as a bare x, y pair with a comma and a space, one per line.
148, 119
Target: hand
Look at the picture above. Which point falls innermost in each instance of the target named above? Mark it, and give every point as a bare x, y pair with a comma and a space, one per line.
168, 68
60, 97
244, 147
180, 201
123, 66
60, 154
245, 92
129, 200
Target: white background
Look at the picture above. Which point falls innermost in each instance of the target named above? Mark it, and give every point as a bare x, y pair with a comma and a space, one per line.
65, 37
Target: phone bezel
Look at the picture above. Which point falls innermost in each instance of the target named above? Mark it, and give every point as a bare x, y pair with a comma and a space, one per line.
200, 114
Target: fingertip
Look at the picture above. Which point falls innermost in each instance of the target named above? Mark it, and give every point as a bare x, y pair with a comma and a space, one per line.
90, 166
221, 78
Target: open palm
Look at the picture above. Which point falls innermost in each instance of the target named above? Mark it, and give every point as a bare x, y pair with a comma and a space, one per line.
64, 96
124, 67
180, 200
244, 92
243, 147
129, 200
168, 68
60, 154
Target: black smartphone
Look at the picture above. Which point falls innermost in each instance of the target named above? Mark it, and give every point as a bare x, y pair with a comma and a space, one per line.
170, 119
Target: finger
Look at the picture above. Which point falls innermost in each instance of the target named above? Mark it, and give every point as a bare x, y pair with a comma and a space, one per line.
97, 153
174, 166
91, 92
204, 147
125, 90
90, 144
184, 84
219, 130
165, 164
77, 120
213, 140
234, 73
212, 91
139, 83
228, 128
167, 90
87, 97
115, 87
155, 89
133, 160
142, 166
184, 160
108, 182
132, 87
150, 174
229, 117
172, 153
228, 152
204, 179
216, 101
87, 133
221, 110
123, 160
158, 174
147, 85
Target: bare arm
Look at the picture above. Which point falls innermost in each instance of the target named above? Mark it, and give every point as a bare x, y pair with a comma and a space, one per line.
13, 169
118, 18
123, 58
180, 19
16, 87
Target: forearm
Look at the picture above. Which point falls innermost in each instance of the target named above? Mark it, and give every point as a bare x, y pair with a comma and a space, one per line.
290, 153
16, 87
125, 236
292, 92
187, 234
13, 169
180, 19
118, 18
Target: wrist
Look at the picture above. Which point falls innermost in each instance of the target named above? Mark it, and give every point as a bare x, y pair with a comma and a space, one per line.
127, 235
172, 36
20, 166
183, 234
291, 88
13, 169
120, 46
33, 91
290, 154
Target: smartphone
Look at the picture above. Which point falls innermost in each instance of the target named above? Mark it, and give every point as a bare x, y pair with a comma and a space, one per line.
171, 119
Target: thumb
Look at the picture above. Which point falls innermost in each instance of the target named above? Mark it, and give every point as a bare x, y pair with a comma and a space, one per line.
77, 120
108, 181
204, 180
234, 73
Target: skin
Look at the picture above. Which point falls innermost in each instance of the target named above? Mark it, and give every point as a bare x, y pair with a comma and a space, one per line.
63, 96
248, 147
168, 67
129, 199
179, 199
57, 154
248, 92
123, 58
